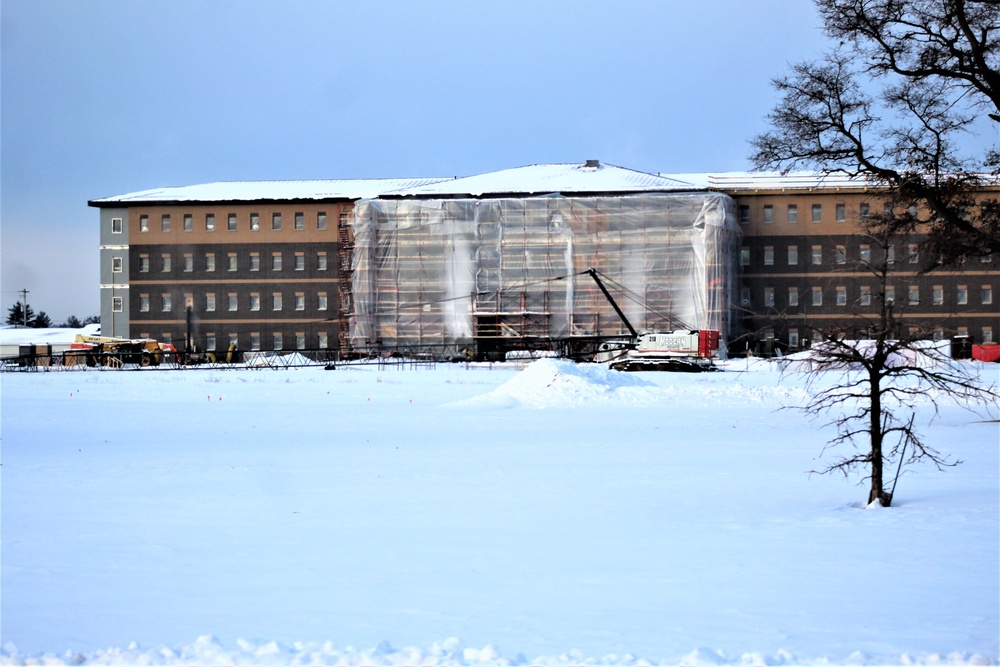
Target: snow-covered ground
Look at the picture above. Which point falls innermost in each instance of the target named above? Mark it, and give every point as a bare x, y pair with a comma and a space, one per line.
561, 514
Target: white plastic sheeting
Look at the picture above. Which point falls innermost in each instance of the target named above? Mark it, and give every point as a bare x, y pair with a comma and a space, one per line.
449, 274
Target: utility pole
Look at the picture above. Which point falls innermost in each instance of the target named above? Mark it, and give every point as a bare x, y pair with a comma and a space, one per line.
24, 307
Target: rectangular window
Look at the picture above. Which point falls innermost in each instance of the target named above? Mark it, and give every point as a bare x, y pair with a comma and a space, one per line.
793, 214
817, 255
841, 213
254, 222
165, 223
116, 226
116, 264
278, 342
143, 303
300, 301
937, 295
233, 265
744, 256
210, 261
300, 261
890, 254
209, 222
962, 295
321, 261
864, 210
116, 304
165, 304
793, 338
255, 301
817, 296
840, 254
745, 296
987, 335
793, 296
890, 294
300, 221
210, 342
143, 263
234, 341
865, 253
210, 302
866, 296
911, 253
255, 261
817, 213
768, 214
188, 222
231, 222
913, 295
165, 263
345, 219
254, 341
321, 221
323, 341
986, 295
300, 340
276, 301
188, 300
188, 263
276, 221
744, 214
841, 296
769, 297
769, 255
276, 261
793, 255
321, 301
143, 223
232, 303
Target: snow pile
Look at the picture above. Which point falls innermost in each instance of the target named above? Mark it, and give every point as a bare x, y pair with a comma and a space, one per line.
549, 383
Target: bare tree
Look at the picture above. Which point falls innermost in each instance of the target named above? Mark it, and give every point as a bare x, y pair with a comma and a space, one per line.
890, 102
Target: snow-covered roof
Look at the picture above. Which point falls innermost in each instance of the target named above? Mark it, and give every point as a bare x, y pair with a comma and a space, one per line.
268, 191
53, 336
591, 176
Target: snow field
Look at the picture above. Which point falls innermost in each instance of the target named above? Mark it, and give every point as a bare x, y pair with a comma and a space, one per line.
559, 515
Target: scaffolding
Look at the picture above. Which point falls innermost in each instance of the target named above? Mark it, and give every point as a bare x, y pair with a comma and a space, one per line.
457, 277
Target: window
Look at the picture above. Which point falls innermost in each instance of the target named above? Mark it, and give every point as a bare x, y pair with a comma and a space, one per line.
300, 340
987, 334
188, 301
769, 255
321, 261
769, 296
864, 211
841, 296
793, 255
986, 259
938, 334
116, 264
937, 295
116, 226
744, 256
210, 342
300, 261
231, 222
321, 301
278, 343
890, 294
255, 301
254, 222
912, 211
234, 341
793, 296
188, 263
276, 261
116, 304
232, 303
345, 219
210, 302
962, 295
865, 253
209, 222
254, 341
817, 213
143, 263
913, 295
210, 261
817, 296
866, 296
890, 255
986, 295
232, 261
840, 254
165, 304
793, 214
911, 253
744, 214
321, 221
276, 301
165, 223
255, 261
300, 221
323, 341
817, 255
188, 222
143, 223
793, 338
745, 296
276, 221
143, 303
165, 263
768, 214
840, 213
300, 301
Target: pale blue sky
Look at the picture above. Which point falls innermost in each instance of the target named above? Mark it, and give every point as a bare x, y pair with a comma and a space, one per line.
105, 97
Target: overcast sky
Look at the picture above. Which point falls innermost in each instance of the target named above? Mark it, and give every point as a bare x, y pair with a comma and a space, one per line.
101, 98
